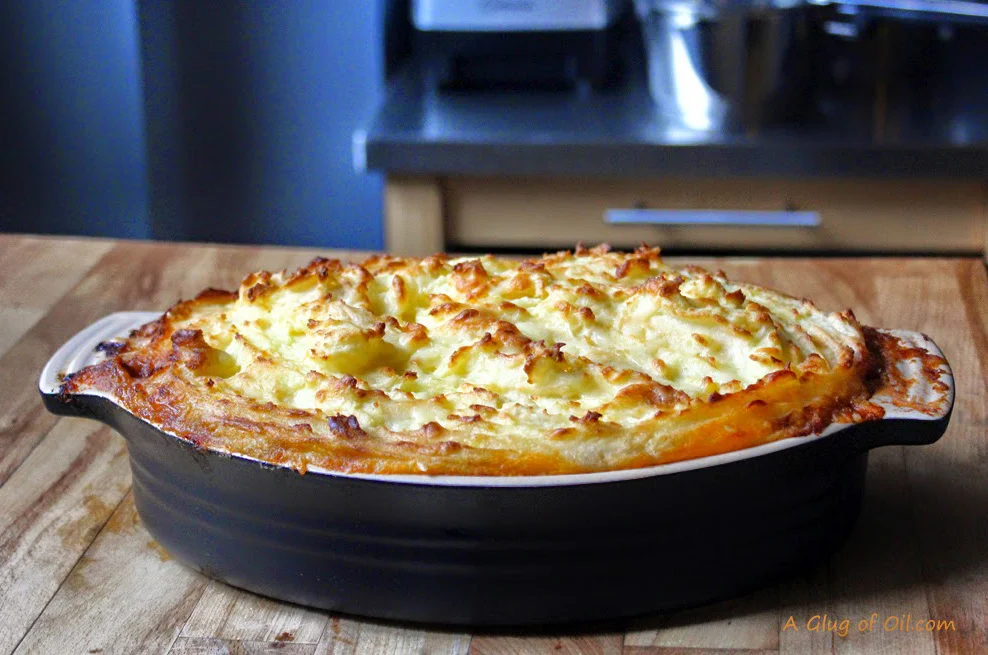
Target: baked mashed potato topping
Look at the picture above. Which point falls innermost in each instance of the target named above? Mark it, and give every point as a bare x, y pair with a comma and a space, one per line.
573, 362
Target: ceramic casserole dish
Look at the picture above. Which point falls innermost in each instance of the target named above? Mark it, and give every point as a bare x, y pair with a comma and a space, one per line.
507, 550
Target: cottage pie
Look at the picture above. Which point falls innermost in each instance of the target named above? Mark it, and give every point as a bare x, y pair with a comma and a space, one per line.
579, 361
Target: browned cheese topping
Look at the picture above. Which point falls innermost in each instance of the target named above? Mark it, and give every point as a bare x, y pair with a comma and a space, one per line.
585, 361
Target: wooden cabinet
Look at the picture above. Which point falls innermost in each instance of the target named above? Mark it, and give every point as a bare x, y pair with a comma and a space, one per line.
428, 214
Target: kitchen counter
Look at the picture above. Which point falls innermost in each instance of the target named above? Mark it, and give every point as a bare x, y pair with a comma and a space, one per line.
464, 171
79, 573
419, 131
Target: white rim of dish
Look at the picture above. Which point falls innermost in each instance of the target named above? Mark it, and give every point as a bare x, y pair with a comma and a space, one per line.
80, 351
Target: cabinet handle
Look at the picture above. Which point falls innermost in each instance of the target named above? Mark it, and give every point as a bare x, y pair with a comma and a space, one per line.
715, 217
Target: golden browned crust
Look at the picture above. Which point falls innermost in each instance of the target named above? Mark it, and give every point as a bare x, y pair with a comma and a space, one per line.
573, 362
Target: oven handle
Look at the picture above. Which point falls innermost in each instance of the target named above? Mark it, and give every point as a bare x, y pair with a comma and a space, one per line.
712, 217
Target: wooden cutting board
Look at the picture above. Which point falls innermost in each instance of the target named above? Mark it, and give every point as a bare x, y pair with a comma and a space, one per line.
79, 574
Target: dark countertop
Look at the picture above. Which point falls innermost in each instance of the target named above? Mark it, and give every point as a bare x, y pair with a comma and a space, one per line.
617, 132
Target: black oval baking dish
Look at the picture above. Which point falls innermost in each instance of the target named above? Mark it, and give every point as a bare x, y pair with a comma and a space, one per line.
501, 551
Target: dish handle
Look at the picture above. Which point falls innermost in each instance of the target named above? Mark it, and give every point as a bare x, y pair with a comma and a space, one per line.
83, 350
918, 399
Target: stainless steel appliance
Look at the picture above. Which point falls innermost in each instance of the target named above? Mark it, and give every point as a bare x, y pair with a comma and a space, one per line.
514, 15
533, 43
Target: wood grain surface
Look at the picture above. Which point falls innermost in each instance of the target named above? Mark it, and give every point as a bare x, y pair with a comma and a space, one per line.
79, 574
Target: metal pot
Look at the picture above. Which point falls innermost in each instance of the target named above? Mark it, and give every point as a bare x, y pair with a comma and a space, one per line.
718, 64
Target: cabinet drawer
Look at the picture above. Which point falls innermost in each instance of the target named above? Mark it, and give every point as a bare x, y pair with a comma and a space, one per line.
864, 215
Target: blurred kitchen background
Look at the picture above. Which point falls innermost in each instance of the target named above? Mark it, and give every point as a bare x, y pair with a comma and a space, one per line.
507, 125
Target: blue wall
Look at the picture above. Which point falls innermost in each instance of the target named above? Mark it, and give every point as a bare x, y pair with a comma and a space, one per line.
248, 109
71, 127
